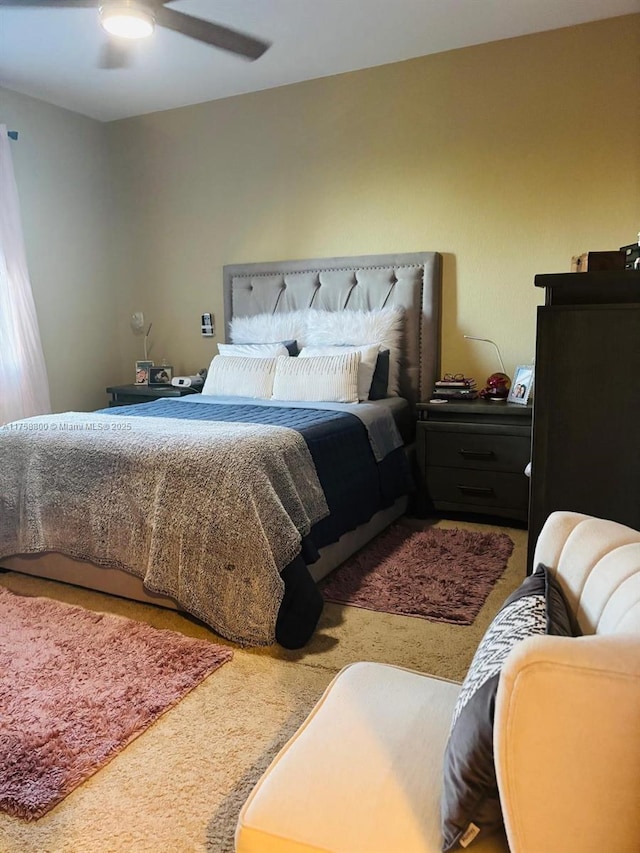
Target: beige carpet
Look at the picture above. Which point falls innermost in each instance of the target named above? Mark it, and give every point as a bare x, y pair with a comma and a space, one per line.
180, 785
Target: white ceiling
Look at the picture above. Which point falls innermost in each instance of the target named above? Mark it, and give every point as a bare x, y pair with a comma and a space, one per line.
51, 53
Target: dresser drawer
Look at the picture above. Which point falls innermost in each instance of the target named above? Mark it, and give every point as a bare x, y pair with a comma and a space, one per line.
478, 491
467, 446
129, 400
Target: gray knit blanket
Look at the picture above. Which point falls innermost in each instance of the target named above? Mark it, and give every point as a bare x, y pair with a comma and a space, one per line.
207, 513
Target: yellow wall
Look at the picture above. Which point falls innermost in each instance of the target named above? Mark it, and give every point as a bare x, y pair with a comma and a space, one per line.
63, 177
507, 157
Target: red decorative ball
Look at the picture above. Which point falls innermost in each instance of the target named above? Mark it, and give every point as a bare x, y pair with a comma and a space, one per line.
498, 385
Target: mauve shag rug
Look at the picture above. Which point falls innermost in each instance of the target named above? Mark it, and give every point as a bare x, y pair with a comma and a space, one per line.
75, 688
440, 574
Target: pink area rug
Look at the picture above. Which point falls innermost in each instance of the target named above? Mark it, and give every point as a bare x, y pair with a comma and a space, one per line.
437, 574
75, 688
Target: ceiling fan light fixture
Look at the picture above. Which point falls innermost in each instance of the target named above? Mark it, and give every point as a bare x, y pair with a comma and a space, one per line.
127, 19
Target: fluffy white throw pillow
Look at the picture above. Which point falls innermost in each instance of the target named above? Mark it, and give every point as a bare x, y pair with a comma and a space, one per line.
241, 377
270, 328
323, 378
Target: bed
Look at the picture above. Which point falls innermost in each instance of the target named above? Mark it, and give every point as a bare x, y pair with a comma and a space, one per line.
327, 526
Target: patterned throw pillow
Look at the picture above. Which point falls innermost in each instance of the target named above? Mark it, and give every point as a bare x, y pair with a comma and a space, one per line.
470, 799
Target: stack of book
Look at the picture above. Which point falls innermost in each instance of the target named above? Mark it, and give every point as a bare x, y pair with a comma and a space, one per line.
455, 388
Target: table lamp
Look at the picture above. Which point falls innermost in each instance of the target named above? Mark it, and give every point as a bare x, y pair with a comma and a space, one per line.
498, 384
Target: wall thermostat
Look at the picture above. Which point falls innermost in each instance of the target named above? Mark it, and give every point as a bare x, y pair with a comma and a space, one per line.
208, 325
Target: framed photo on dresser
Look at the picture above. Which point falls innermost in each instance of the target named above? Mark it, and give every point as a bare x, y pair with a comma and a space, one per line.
161, 375
142, 372
522, 385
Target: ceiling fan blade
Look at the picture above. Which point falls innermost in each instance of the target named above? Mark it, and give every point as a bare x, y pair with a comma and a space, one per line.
210, 33
115, 53
43, 4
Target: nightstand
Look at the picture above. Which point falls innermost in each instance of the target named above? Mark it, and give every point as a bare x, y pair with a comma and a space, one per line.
125, 395
472, 456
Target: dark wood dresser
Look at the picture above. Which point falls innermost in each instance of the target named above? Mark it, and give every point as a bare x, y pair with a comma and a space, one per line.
586, 422
472, 456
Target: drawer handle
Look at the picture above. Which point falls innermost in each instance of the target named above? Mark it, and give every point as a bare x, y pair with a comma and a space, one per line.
484, 491
476, 454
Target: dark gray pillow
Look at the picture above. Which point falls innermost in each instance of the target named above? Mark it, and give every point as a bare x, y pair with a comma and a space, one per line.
292, 346
470, 800
380, 381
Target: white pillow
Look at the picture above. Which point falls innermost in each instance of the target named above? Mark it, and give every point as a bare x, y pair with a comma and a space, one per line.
381, 326
323, 378
368, 360
241, 377
253, 350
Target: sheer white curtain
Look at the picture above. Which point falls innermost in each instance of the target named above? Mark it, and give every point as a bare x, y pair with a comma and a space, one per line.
24, 388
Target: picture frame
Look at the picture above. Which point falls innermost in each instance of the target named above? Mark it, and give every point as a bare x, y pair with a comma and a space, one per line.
161, 375
142, 372
522, 385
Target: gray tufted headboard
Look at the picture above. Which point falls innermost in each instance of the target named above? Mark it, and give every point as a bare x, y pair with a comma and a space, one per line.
412, 281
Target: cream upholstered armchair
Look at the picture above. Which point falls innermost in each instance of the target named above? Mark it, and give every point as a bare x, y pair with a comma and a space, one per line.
364, 773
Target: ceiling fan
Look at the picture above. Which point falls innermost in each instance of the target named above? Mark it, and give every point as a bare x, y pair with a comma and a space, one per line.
128, 20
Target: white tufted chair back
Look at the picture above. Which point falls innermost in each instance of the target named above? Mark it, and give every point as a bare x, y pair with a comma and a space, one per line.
598, 565
567, 721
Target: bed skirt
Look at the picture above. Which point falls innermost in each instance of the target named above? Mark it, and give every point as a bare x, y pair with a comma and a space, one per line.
299, 611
